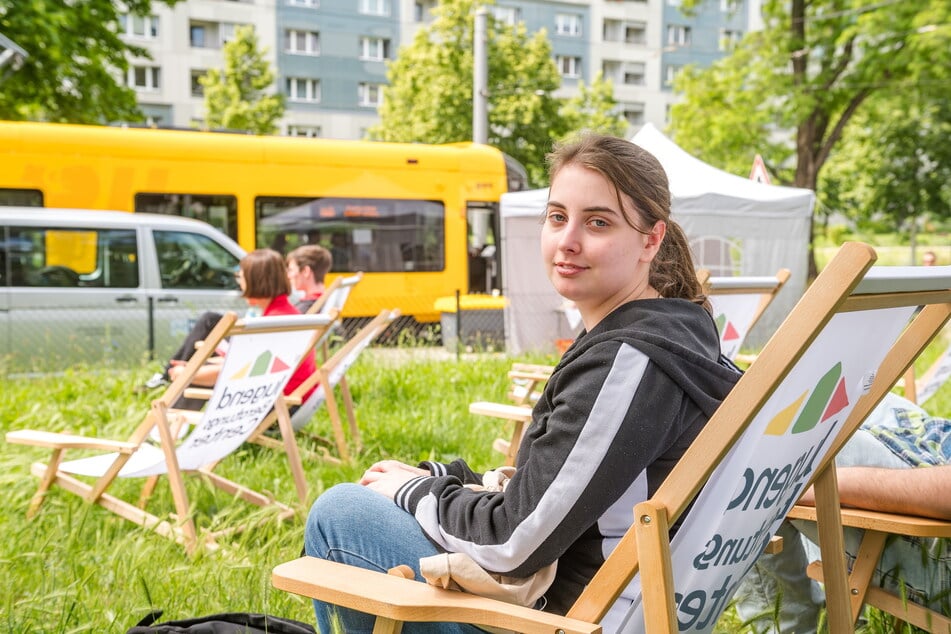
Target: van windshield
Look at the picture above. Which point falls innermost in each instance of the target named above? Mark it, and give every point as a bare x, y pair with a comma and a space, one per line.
194, 261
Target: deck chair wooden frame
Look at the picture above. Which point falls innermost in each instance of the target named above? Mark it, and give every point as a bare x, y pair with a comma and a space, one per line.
331, 374
861, 591
766, 393
201, 448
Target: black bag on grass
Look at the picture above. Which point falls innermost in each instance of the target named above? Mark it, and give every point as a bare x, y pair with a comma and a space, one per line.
227, 623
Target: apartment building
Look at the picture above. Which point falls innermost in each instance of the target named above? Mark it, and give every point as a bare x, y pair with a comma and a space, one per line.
330, 55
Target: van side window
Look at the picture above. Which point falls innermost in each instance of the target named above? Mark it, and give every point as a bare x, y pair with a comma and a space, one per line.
220, 211
73, 258
194, 261
20, 197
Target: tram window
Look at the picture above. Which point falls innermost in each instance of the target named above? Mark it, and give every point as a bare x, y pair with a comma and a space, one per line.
21, 197
363, 234
220, 211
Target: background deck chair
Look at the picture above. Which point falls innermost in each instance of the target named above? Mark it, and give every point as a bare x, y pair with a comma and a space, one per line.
331, 373
261, 358
814, 382
738, 302
920, 390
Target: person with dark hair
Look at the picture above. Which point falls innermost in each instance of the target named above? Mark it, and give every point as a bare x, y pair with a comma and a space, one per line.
262, 276
621, 407
307, 266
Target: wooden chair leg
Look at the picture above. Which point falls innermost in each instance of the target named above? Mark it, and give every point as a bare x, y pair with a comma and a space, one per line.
45, 483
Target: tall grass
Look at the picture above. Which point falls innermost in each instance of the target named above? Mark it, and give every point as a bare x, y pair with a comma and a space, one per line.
79, 568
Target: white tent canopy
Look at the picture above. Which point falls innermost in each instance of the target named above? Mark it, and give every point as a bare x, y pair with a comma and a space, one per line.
736, 227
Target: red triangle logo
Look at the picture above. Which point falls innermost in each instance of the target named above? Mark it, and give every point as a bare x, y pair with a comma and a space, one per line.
278, 365
729, 332
837, 403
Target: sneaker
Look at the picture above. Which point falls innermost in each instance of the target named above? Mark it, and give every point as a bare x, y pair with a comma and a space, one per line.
157, 380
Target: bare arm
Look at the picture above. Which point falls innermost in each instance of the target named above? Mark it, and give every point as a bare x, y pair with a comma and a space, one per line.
924, 491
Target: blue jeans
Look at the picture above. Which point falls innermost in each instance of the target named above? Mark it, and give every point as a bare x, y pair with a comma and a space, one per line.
353, 525
923, 566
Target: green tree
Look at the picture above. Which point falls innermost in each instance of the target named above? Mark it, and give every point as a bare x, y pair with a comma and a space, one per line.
790, 91
237, 97
429, 97
76, 61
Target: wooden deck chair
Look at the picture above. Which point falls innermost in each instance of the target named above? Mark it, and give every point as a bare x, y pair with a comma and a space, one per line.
878, 527
526, 383
814, 382
331, 374
738, 303
261, 358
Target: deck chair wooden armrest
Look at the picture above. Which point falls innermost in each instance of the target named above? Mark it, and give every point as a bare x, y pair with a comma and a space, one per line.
401, 599
518, 413
56, 440
911, 525
201, 393
529, 375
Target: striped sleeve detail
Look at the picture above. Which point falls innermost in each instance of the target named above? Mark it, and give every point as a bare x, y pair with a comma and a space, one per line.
573, 478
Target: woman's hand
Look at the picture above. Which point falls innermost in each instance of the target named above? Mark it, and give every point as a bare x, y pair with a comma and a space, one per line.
387, 476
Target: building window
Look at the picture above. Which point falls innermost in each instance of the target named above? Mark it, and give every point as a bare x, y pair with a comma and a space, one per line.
197, 36
370, 95
140, 26
226, 32
304, 3
303, 89
507, 15
729, 6
423, 10
374, 49
309, 131
197, 89
670, 72
633, 113
301, 42
375, 7
634, 74
678, 35
729, 40
145, 78
568, 24
568, 66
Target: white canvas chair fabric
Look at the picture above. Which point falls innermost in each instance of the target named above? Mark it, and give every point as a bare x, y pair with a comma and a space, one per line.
814, 382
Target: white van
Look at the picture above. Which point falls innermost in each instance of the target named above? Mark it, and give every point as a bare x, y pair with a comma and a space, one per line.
106, 286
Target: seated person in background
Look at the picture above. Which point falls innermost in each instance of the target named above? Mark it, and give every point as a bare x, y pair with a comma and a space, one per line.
616, 415
306, 268
264, 285
899, 461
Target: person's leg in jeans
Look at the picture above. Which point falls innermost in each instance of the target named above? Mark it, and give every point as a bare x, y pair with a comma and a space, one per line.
776, 595
351, 524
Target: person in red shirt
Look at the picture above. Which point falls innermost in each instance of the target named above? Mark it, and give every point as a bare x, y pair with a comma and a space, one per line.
265, 287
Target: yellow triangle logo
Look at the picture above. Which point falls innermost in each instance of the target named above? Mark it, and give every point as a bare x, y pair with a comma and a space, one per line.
243, 372
782, 420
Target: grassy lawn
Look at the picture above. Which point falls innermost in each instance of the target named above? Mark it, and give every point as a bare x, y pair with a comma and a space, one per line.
78, 568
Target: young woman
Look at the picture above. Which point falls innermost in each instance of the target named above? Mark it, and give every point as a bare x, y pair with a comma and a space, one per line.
262, 276
619, 410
